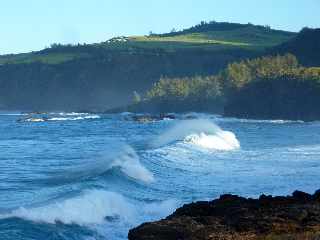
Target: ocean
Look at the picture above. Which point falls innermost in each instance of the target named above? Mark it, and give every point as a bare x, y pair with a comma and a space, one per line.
95, 176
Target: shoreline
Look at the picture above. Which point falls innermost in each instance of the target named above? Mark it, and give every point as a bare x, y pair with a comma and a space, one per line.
295, 217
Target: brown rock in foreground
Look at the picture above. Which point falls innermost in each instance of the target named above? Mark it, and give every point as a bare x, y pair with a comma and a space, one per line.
232, 217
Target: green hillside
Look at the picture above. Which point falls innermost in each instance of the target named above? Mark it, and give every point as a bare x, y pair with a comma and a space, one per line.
206, 36
248, 36
105, 75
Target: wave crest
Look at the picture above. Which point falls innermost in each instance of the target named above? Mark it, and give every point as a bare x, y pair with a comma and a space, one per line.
200, 132
224, 140
94, 207
119, 156
90, 208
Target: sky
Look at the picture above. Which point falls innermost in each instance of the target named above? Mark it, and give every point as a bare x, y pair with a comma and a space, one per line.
31, 25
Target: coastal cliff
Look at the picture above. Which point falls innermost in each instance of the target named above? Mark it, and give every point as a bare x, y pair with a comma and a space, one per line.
233, 217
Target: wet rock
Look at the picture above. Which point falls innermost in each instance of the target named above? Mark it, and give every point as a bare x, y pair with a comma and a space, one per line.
233, 217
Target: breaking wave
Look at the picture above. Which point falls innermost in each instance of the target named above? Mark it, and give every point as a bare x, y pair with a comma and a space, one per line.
119, 156
200, 132
90, 208
93, 207
223, 140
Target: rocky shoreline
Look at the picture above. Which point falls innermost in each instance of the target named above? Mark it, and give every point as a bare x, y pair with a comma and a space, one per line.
295, 217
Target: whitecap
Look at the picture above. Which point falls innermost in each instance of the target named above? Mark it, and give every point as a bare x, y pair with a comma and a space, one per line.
200, 132
92, 207
223, 140
74, 118
119, 155
72, 114
95, 207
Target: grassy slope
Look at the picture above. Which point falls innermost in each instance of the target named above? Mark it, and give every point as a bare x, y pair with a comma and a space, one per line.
251, 37
248, 37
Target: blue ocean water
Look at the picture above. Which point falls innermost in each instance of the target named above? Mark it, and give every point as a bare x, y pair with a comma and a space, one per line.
85, 176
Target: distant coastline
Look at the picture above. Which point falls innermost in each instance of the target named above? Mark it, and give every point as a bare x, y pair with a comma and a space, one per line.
243, 71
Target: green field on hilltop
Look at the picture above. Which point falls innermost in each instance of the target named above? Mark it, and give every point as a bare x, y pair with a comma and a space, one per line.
206, 37
242, 37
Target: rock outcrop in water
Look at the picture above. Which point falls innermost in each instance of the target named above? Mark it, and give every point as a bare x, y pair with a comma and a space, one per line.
233, 217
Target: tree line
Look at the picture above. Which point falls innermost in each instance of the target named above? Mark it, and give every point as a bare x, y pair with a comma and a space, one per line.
233, 89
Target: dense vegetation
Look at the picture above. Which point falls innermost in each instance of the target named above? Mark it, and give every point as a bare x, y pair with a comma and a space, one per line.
100, 76
105, 81
182, 94
283, 97
201, 69
272, 87
266, 87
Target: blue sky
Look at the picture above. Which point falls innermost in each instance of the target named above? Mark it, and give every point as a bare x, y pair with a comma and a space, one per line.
35, 24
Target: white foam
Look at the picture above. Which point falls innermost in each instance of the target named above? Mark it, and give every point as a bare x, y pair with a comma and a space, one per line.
72, 114
89, 208
34, 120
93, 207
74, 118
167, 119
223, 140
157, 209
119, 156
130, 165
200, 132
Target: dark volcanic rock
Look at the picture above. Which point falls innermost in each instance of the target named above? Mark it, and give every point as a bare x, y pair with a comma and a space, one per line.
233, 217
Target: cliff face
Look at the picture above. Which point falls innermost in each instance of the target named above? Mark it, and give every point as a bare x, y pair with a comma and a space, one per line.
232, 217
105, 75
283, 98
102, 82
306, 46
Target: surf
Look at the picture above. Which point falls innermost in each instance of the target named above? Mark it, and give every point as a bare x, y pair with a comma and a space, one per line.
92, 208
199, 132
119, 156
77, 117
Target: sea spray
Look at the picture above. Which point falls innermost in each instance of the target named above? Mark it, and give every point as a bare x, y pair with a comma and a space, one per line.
200, 132
129, 164
94, 207
119, 156
223, 141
